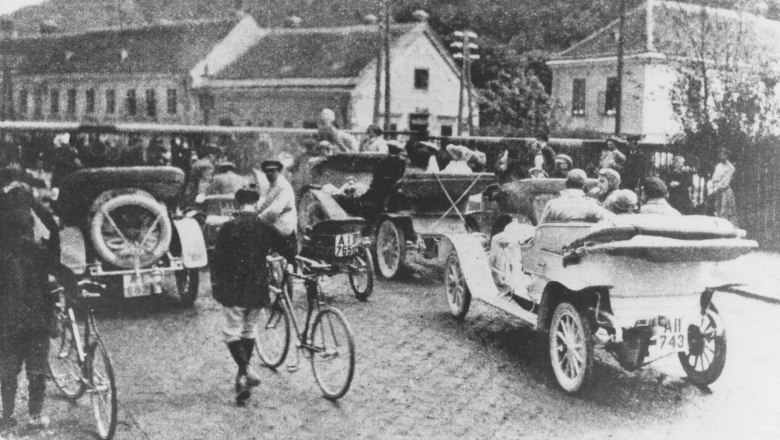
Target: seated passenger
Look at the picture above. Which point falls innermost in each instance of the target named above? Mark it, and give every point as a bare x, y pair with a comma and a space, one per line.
563, 164
422, 155
386, 174
478, 161
573, 205
655, 194
622, 201
375, 143
225, 180
459, 163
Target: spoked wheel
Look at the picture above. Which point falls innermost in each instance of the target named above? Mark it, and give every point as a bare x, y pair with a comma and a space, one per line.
273, 335
333, 353
706, 356
455, 288
361, 274
390, 249
571, 347
187, 281
64, 367
102, 388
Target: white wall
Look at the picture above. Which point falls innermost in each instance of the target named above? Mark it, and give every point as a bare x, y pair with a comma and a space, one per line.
659, 121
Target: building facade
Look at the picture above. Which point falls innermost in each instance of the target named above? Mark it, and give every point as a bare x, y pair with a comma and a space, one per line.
658, 42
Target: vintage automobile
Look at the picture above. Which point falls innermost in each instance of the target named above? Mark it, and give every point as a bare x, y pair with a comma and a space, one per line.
419, 209
119, 228
641, 286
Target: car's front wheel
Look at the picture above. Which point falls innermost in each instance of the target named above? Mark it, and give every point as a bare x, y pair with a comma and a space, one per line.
706, 355
455, 289
571, 347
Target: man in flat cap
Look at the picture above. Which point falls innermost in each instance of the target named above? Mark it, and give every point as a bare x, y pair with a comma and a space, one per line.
240, 284
573, 205
278, 211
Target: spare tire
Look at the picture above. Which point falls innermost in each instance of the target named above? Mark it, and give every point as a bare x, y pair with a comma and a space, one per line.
129, 228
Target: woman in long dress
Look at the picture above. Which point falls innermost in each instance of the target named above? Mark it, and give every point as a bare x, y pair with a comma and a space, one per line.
723, 197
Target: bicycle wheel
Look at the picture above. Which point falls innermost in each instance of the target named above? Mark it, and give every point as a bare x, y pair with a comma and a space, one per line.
102, 387
332, 352
273, 335
64, 366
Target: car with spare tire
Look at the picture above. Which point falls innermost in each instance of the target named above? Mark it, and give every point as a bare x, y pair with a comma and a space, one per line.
120, 227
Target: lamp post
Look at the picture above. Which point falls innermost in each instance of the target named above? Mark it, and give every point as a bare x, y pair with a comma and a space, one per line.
464, 46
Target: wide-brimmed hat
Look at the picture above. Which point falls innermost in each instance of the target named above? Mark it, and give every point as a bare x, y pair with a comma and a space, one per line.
394, 147
624, 200
611, 175
459, 152
267, 165
247, 195
576, 178
564, 158
429, 145
225, 166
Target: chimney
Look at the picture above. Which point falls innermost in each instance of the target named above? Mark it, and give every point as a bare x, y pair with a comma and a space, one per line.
370, 19
49, 27
293, 21
420, 16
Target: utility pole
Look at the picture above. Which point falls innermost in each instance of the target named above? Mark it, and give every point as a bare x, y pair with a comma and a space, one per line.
464, 46
621, 42
387, 65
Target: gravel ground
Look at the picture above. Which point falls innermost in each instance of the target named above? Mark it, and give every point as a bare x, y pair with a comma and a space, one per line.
420, 374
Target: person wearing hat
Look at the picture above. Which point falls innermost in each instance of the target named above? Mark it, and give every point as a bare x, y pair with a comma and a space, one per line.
375, 143
622, 201
611, 157
341, 140
277, 210
201, 174
563, 164
573, 205
240, 284
226, 180
422, 155
654, 193
544, 155
609, 181
460, 160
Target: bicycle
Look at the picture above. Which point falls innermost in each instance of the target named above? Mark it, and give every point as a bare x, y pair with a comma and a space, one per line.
326, 338
79, 366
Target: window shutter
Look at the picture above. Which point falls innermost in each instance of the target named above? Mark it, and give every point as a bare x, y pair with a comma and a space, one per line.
602, 103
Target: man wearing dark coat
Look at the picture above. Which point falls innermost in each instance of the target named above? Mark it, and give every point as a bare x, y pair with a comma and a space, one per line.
240, 284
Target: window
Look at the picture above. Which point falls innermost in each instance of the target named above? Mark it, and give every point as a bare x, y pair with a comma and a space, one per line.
173, 105
130, 102
151, 103
578, 97
421, 79
110, 101
418, 122
23, 98
71, 101
288, 124
54, 101
309, 124
90, 101
446, 130
612, 96
38, 104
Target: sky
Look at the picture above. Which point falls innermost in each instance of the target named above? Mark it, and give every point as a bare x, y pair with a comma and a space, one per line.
7, 6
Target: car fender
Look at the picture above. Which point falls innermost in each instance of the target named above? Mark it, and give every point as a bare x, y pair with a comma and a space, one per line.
73, 251
193, 246
473, 262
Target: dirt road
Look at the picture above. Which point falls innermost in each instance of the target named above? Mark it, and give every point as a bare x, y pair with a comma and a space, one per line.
420, 374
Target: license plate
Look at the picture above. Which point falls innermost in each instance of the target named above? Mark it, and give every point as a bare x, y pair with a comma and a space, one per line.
346, 245
135, 286
672, 339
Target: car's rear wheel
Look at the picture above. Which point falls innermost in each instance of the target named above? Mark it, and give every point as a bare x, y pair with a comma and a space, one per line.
455, 289
571, 347
390, 249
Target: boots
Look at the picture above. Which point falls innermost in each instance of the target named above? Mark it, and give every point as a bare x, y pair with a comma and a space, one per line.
242, 387
253, 379
8, 391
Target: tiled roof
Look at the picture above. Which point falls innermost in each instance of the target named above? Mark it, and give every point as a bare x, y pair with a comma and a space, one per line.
338, 52
675, 27
163, 48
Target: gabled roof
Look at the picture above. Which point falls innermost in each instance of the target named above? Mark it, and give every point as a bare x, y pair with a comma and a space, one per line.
162, 48
675, 27
338, 52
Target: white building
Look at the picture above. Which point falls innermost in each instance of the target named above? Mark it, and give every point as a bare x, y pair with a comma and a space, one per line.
659, 36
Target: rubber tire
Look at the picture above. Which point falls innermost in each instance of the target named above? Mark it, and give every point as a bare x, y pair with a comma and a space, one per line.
187, 293
385, 229
454, 280
72, 393
283, 314
713, 372
318, 320
362, 295
568, 312
138, 199
100, 350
